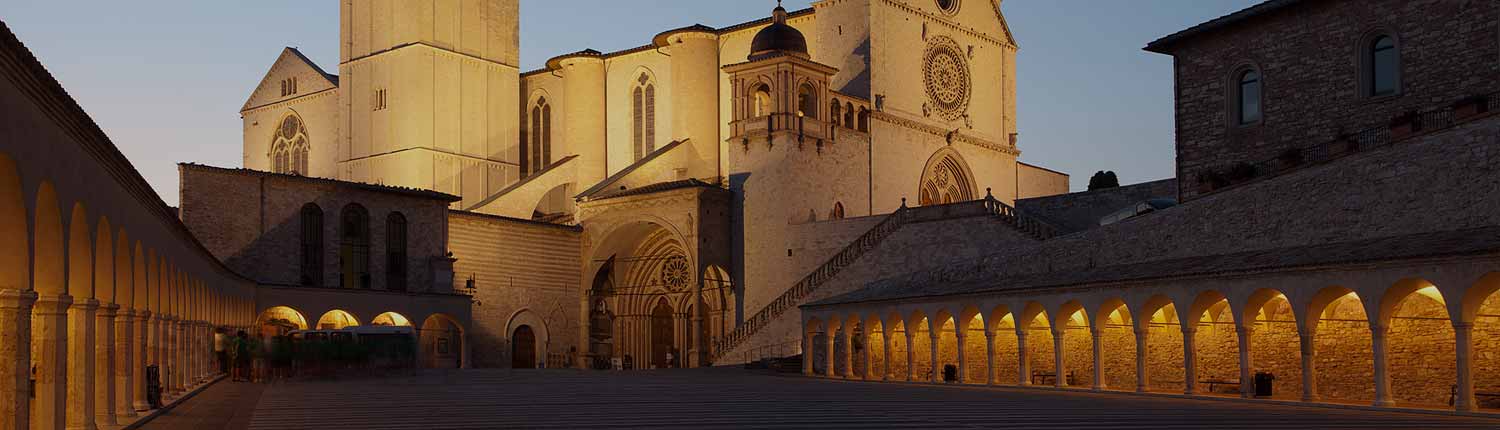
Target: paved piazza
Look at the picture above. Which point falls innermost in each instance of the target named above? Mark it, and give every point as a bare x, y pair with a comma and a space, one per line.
727, 398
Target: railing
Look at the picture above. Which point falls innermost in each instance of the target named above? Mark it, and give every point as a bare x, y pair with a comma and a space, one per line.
988, 206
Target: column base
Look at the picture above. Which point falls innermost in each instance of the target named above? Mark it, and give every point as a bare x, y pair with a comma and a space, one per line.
1385, 403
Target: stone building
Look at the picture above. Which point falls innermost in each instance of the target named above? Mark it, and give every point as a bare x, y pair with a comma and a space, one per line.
1357, 265
660, 192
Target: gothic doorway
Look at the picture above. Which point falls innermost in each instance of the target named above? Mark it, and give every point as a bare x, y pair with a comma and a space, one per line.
523, 348
661, 335
946, 179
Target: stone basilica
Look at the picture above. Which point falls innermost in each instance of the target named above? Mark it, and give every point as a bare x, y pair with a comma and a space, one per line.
632, 203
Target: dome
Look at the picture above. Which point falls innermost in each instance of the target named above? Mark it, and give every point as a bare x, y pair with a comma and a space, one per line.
778, 38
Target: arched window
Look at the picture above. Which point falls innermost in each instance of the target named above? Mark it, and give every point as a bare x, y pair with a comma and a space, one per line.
864, 120
395, 252
762, 99
849, 115
838, 211
1248, 97
1382, 65
835, 110
312, 245
540, 154
807, 102
644, 117
290, 147
354, 247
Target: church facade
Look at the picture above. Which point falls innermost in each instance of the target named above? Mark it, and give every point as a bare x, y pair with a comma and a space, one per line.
647, 202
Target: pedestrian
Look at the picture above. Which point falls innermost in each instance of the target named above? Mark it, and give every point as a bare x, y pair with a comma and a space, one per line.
242, 356
219, 351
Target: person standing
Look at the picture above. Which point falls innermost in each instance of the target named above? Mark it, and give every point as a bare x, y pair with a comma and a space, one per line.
219, 352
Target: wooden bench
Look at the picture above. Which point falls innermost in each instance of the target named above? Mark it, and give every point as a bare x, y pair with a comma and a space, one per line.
1043, 377
1214, 383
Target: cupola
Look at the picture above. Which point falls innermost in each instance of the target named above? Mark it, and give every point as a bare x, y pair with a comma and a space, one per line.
778, 38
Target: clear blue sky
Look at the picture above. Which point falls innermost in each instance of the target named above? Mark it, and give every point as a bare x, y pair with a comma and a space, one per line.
166, 78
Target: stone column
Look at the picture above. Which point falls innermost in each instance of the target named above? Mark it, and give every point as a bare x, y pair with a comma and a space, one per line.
1142, 372
932, 350
49, 353
1190, 359
1023, 367
125, 364
1463, 333
885, 363
1247, 381
989, 357
911, 358
1382, 369
179, 355
1309, 369
848, 353
104, 366
15, 358
1060, 364
80, 406
1098, 336
828, 342
963, 356
869, 364
142, 348
807, 353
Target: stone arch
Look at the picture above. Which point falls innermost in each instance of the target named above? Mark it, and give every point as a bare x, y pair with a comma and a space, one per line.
918, 330
1072, 325
632, 257
946, 326
47, 242
1041, 360
444, 342
1342, 343
1116, 344
971, 323
946, 179
277, 320
762, 97
1420, 354
557, 205
123, 272
876, 361
1002, 323
814, 355
1215, 343
104, 264
337, 319
390, 319
1481, 309
720, 295
80, 255
538, 327
1159, 323
900, 363
1273, 341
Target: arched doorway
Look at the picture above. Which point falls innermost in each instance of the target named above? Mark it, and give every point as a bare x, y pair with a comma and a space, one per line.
662, 335
523, 348
442, 343
945, 179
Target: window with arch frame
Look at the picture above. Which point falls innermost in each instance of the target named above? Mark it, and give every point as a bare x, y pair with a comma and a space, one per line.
643, 117
354, 247
395, 251
1248, 96
761, 99
312, 245
539, 154
1382, 66
807, 101
290, 147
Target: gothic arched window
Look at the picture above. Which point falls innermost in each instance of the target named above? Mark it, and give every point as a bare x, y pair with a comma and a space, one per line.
354, 247
290, 147
835, 109
838, 211
312, 245
540, 154
807, 101
864, 120
395, 252
762, 99
643, 118
849, 115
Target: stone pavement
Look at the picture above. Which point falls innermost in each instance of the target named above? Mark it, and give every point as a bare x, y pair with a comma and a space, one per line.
731, 398
225, 405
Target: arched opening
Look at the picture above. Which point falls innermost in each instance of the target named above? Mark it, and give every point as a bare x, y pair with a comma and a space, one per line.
1078, 345
835, 110
848, 115
1117, 345
312, 245
442, 343
1164, 362
1041, 361
1217, 352
1342, 341
946, 179
557, 206
720, 297
948, 346
336, 320
354, 247
1420, 355
278, 320
390, 319
1482, 307
662, 351
814, 352
875, 344
761, 101
976, 358
921, 348
900, 367
864, 119
1275, 345
807, 101
856, 332
523, 348
537, 154
841, 339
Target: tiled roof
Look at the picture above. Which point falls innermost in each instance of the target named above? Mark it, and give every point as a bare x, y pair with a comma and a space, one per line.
413, 192
1164, 44
653, 188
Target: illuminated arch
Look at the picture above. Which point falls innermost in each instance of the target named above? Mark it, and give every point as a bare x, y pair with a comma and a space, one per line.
945, 179
337, 320
391, 319
280, 319
290, 145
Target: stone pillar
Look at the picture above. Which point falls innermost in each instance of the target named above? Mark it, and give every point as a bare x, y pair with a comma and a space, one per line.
807, 353
1247, 380
989, 357
829, 341
125, 364
848, 353
1023, 366
885, 363
1060, 364
142, 358
80, 409
963, 355
1463, 400
1098, 336
1382, 368
49, 353
932, 350
869, 364
911, 358
1309, 369
104, 366
1190, 359
1142, 372
15, 358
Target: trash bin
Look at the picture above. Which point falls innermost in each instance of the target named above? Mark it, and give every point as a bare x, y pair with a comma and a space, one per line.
950, 373
1263, 382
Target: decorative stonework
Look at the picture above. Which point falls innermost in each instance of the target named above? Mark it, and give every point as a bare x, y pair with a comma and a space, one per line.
945, 70
949, 7
675, 274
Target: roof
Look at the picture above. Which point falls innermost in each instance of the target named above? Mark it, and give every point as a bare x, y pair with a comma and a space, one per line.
1074, 212
411, 192
654, 188
692, 28
530, 222
603, 186
973, 278
1164, 44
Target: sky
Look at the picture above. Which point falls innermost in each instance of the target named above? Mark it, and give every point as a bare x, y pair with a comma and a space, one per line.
165, 78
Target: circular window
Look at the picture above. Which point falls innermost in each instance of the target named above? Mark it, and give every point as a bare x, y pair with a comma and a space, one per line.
675, 274
946, 76
948, 6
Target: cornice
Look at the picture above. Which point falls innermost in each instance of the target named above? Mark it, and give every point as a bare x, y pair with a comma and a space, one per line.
433, 150
934, 19
291, 101
957, 136
437, 50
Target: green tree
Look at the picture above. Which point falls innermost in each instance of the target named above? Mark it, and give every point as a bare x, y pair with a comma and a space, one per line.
1103, 180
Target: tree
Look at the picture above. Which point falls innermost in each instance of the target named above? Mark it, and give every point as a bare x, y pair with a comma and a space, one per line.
1103, 180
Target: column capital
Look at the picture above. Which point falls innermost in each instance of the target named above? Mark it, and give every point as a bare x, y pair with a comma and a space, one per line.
989, 334
143, 314
1463, 326
52, 305
1189, 329
85, 304
1244, 330
17, 299
109, 308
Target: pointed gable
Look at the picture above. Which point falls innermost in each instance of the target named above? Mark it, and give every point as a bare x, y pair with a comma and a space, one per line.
291, 65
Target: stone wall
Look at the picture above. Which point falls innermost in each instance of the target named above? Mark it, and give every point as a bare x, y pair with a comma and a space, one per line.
1345, 365
1035, 181
1083, 210
1276, 348
1487, 351
1308, 56
1420, 352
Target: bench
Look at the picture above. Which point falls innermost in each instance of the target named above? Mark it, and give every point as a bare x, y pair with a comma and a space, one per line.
1214, 383
1041, 378
1453, 394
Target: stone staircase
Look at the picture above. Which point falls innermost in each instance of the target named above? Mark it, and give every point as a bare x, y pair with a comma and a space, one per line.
799, 292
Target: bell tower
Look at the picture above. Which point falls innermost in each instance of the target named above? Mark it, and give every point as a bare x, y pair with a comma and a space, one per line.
430, 94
